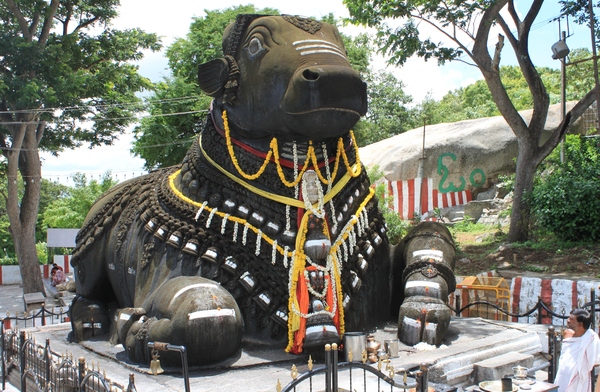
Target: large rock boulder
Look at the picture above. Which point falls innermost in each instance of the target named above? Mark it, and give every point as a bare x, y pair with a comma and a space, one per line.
467, 154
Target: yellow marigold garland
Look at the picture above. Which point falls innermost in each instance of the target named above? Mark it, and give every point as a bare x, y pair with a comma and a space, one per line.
234, 159
311, 157
298, 264
275, 150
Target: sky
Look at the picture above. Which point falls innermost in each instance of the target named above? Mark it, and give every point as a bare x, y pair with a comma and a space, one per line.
172, 21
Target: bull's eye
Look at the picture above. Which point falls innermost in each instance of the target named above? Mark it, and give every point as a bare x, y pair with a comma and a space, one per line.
255, 47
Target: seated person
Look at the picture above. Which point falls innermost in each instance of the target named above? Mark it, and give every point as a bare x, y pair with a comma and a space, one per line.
58, 275
55, 267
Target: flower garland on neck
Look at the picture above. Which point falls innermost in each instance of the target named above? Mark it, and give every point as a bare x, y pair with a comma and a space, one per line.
311, 157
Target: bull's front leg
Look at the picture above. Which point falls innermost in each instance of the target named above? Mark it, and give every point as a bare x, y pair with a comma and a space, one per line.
187, 311
428, 278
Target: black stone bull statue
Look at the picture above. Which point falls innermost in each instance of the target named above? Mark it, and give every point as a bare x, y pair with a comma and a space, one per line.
268, 231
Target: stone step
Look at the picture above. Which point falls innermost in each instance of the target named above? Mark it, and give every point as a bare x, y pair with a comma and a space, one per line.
497, 367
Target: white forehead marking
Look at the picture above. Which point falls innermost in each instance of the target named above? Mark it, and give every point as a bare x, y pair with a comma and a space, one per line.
313, 46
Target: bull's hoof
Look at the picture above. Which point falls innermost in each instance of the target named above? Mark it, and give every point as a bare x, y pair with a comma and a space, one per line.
126, 317
89, 318
320, 331
423, 319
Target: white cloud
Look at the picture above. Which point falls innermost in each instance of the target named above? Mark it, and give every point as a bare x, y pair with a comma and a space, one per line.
94, 163
172, 20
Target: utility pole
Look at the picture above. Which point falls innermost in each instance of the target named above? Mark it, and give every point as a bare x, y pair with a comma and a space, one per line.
422, 172
592, 28
563, 97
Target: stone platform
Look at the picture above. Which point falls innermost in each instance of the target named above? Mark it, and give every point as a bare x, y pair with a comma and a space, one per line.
473, 348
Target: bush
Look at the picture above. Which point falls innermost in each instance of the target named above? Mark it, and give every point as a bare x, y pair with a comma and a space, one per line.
42, 254
6, 260
566, 199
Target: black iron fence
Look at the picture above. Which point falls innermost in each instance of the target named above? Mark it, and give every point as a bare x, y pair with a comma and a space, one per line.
40, 369
42, 316
359, 375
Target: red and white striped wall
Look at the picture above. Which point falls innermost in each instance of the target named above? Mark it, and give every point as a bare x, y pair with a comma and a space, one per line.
562, 294
406, 198
10, 274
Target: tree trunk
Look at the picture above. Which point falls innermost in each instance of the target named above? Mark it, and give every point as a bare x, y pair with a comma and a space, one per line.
24, 158
526, 167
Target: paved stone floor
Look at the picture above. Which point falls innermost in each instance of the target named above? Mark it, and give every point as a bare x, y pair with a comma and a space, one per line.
468, 341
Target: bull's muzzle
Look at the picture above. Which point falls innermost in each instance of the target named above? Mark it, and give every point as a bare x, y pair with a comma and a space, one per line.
327, 89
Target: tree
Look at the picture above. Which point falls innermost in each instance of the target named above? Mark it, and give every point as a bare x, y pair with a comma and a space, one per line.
475, 100
179, 107
70, 210
60, 86
387, 114
466, 28
177, 110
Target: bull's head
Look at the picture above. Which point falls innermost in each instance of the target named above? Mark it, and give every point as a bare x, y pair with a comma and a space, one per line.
285, 76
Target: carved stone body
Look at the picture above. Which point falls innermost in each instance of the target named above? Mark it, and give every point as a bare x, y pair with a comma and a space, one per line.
268, 231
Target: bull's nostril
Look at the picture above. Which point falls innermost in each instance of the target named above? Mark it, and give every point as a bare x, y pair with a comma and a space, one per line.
310, 75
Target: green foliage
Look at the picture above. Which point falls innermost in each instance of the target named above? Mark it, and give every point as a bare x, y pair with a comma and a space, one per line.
566, 200
508, 180
388, 114
396, 227
467, 225
580, 73
163, 138
475, 100
42, 252
49, 192
7, 260
70, 211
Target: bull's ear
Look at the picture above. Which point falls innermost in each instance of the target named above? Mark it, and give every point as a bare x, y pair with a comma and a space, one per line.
212, 76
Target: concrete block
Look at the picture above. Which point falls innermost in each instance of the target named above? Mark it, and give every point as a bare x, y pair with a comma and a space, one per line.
33, 301
497, 367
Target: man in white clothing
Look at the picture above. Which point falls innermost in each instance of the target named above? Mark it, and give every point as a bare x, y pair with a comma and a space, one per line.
580, 352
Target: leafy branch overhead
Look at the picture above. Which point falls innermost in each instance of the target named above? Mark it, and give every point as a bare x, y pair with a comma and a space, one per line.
475, 32
66, 80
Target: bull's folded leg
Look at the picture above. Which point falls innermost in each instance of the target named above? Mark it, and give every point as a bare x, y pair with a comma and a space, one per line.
428, 278
193, 312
